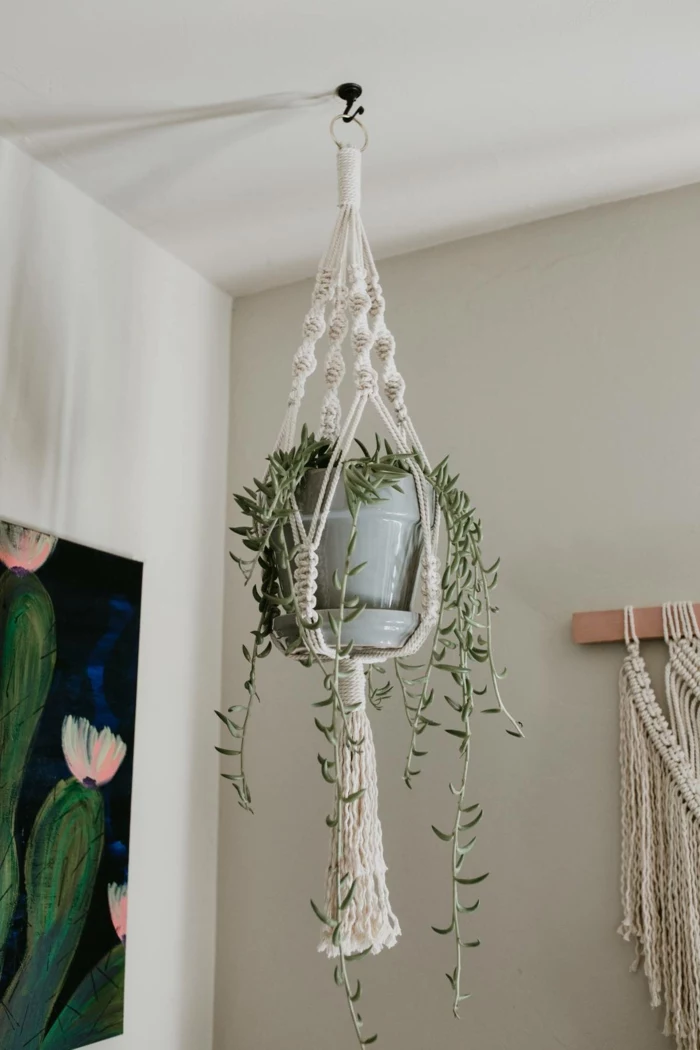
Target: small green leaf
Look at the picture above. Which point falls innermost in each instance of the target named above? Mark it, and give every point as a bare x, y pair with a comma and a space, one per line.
442, 835
372, 1039
321, 917
357, 993
469, 908
349, 896
472, 823
448, 929
326, 773
357, 568
354, 796
472, 882
354, 613
358, 955
233, 729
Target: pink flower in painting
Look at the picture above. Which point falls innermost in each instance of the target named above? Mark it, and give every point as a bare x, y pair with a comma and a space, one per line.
117, 908
24, 550
93, 758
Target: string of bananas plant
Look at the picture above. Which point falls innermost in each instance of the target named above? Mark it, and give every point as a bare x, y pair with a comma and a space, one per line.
462, 641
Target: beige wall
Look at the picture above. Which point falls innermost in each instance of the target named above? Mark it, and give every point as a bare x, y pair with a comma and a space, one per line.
558, 364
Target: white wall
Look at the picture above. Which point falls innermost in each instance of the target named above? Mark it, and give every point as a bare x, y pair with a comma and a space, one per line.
113, 415
558, 364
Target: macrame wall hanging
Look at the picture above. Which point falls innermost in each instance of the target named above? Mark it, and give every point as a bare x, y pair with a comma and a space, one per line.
660, 794
660, 765
341, 538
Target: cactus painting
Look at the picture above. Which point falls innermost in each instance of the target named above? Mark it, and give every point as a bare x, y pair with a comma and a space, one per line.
69, 631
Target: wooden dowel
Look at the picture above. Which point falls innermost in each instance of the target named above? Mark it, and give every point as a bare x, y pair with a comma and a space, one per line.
588, 628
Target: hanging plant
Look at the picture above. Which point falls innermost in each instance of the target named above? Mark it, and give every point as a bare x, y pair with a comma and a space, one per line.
338, 538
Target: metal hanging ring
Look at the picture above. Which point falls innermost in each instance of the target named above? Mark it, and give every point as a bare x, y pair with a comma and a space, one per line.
359, 124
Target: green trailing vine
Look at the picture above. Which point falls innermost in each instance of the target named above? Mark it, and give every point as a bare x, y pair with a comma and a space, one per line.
462, 640
456, 646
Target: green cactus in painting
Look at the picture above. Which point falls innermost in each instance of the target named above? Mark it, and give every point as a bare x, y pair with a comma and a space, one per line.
27, 657
96, 1009
63, 854
63, 857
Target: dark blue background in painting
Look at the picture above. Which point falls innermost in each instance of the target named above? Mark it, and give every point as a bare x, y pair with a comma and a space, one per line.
97, 602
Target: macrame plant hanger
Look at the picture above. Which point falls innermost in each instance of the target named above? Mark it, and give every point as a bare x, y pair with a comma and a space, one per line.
347, 289
660, 794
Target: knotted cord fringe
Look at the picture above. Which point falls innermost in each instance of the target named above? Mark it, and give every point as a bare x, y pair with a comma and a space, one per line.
368, 921
660, 795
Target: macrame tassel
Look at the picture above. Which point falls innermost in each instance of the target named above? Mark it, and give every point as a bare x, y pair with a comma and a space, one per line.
661, 831
368, 921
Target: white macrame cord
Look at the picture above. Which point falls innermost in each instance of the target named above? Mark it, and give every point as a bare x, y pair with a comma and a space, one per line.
347, 289
660, 794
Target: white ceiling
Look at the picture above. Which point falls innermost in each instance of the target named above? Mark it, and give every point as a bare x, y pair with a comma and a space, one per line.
482, 113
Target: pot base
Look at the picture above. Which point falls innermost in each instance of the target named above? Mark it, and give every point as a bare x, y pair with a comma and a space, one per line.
373, 628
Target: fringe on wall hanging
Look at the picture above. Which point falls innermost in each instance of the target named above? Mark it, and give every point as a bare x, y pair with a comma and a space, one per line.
660, 766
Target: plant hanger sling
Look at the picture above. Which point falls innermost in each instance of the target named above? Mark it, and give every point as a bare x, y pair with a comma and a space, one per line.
340, 542
348, 283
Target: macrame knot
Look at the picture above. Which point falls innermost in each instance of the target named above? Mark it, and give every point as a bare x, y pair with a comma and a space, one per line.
365, 378
375, 293
330, 416
361, 340
337, 329
385, 345
395, 387
335, 368
359, 301
304, 361
314, 326
349, 168
431, 585
323, 287
305, 576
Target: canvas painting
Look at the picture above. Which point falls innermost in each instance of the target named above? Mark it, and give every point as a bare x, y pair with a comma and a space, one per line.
69, 639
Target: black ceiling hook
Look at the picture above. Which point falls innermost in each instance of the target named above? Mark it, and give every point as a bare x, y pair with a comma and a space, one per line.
350, 94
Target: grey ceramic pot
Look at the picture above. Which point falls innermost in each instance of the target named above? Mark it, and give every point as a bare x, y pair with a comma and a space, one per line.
389, 540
